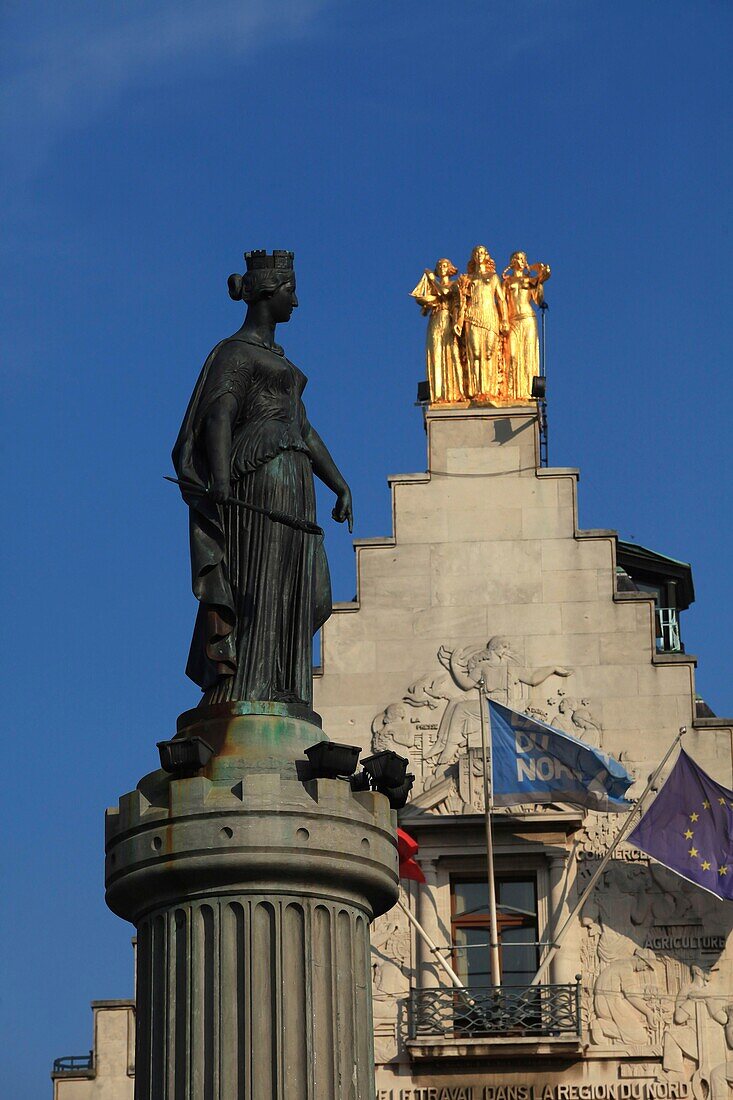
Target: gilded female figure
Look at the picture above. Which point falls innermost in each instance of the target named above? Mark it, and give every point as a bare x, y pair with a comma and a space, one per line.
262, 583
436, 294
523, 288
481, 320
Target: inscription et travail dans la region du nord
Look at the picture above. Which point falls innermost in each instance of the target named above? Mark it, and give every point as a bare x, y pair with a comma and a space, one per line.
622, 1090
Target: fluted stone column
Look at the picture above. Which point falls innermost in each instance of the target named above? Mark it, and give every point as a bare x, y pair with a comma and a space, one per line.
252, 893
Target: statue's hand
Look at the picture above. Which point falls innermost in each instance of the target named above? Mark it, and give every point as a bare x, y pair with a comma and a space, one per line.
342, 512
219, 491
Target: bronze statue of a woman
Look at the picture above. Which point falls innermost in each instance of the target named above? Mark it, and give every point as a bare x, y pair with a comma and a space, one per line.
259, 568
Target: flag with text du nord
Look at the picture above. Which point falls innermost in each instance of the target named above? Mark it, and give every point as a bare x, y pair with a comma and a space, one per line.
533, 762
689, 828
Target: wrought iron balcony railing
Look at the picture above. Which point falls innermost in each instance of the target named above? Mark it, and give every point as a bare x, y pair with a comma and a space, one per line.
548, 1011
74, 1063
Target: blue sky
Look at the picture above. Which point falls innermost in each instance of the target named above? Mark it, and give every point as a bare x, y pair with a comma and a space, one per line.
144, 146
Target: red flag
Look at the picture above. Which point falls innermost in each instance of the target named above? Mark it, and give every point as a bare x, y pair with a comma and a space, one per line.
407, 850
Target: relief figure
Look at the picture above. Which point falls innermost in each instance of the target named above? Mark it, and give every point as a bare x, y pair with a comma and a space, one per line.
721, 1078
498, 668
575, 717
392, 727
390, 954
623, 1013
682, 1040
390, 958
438, 739
619, 905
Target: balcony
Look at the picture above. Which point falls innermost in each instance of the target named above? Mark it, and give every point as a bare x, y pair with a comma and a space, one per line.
74, 1065
494, 1022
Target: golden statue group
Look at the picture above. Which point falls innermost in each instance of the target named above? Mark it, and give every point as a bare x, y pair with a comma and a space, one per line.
482, 342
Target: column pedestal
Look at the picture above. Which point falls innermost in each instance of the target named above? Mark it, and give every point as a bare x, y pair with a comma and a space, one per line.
252, 892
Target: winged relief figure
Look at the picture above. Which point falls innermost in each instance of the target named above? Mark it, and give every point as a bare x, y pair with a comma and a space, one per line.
498, 668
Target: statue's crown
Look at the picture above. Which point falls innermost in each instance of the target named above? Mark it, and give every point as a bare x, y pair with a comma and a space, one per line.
259, 259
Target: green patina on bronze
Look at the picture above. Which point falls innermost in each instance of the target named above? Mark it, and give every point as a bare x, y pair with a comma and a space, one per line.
252, 736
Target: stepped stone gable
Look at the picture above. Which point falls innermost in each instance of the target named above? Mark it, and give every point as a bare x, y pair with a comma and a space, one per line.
488, 574
487, 545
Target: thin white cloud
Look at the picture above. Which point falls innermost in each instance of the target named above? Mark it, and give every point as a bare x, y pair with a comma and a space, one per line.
64, 66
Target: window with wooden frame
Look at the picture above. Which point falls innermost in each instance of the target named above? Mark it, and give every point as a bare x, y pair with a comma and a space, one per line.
516, 897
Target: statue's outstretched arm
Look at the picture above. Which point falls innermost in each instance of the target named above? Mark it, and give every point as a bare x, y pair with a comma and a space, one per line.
534, 679
326, 469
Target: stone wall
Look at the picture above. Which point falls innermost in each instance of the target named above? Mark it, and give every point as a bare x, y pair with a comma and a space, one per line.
112, 1076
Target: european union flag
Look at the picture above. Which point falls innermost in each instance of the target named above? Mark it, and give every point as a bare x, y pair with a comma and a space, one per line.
532, 762
689, 828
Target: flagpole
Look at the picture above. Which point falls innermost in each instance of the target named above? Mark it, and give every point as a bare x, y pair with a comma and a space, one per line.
620, 835
431, 945
488, 766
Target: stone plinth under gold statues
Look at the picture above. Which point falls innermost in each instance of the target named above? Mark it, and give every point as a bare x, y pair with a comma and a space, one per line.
482, 344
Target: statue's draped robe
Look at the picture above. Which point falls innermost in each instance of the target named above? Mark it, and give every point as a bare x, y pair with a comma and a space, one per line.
524, 345
263, 587
442, 355
483, 344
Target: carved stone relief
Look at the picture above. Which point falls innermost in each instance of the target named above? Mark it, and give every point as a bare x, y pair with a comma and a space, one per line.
437, 723
391, 974
685, 1042
721, 1076
654, 983
626, 1005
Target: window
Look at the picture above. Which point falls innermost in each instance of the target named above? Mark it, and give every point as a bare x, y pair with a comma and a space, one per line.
516, 899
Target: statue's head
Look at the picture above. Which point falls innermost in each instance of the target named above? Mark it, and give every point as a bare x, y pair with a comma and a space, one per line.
643, 959
480, 261
500, 648
270, 278
518, 260
445, 267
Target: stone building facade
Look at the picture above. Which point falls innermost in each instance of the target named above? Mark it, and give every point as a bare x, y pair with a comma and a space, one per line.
487, 574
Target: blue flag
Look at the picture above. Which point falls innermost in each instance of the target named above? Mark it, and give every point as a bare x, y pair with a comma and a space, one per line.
689, 828
532, 762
